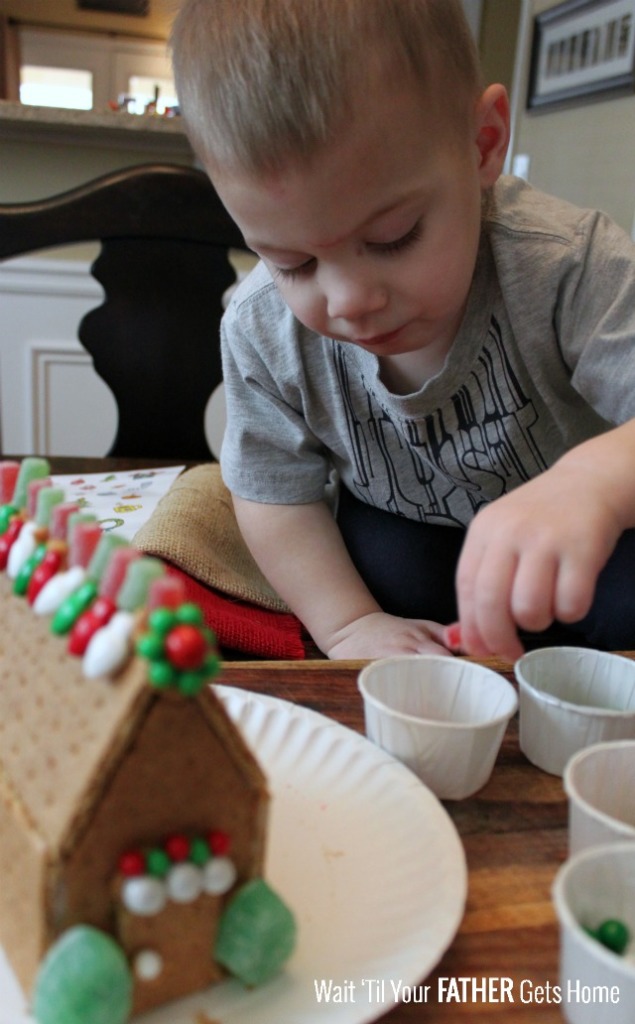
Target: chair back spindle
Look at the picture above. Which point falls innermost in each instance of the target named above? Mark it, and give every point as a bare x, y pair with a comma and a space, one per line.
163, 265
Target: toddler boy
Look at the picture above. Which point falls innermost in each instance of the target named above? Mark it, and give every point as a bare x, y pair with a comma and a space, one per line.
456, 345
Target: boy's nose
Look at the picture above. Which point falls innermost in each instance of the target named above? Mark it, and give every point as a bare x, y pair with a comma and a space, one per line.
352, 298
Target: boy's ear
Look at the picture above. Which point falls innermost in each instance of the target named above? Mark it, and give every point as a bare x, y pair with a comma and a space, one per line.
492, 133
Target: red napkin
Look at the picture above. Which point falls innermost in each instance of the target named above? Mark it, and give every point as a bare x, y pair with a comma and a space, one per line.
244, 627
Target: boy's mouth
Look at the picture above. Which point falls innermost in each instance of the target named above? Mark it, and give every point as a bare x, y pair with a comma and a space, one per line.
378, 340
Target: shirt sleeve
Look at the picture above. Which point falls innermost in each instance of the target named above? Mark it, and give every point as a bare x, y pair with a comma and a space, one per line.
595, 318
268, 454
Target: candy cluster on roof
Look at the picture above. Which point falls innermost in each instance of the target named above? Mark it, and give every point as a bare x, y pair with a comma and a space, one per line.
104, 595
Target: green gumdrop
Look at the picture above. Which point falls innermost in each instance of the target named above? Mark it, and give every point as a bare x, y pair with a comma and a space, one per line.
83, 979
31, 468
256, 934
614, 935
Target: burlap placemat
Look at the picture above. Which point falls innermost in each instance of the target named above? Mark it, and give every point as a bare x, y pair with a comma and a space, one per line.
194, 528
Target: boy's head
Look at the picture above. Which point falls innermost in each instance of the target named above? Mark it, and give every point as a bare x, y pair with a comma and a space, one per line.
352, 143
264, 83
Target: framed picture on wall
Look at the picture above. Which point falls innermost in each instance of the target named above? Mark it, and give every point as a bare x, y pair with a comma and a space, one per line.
138, 7
581, 50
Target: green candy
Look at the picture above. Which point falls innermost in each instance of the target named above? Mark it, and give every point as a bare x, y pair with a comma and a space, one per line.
83, 979
256, 934
79, 517
6, 514
158, 863
70, 610
212, 666
108, 542
150, 646
161, 620
161, 675
23, 578
200, 852
190, 683
47, 499
31, 468
614, 935
136, 584
189, 613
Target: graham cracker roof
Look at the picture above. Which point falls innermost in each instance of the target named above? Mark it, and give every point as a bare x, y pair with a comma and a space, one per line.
60, 732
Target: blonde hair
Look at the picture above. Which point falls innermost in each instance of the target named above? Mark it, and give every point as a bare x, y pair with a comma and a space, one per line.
261, 82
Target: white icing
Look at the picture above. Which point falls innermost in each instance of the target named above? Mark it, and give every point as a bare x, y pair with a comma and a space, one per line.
184, 883
148, 965
143, 895
57, 589
22, 548
110, 647
219, 874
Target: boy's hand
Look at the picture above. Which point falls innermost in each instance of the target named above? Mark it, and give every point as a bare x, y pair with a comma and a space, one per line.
534, 556
379, 635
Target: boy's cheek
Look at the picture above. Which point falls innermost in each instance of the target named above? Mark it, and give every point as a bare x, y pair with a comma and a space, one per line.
310, 312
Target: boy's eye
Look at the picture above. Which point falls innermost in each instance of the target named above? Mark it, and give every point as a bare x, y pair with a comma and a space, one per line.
291, 273
398, 244
384, 248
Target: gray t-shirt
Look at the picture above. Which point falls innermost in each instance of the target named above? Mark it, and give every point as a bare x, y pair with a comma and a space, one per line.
544, 359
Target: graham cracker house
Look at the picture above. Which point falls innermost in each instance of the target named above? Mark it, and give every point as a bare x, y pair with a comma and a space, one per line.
93, 775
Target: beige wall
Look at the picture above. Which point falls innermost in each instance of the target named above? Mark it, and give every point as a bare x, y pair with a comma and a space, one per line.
497, 40
584, 153
65, 14
34, 170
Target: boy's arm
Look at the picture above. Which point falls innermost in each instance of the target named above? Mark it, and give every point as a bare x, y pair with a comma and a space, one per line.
301, 552
535, 554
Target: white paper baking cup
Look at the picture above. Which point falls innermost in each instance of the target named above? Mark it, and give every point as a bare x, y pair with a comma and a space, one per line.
571, 698
600, 785
592, 887
444, 718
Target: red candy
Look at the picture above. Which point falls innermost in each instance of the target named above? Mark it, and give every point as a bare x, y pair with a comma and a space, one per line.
115, 571
219, 843
84, 539
177, 847
166, 592
185, 647
99, 613
132, 863
452, 636
42, 573
34, 488
7, 539
60, 515
8, 476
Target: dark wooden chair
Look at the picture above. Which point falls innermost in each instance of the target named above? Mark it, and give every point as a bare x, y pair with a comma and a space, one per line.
163, 265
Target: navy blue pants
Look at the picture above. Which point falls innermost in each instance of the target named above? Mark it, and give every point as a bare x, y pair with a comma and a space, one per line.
410, 567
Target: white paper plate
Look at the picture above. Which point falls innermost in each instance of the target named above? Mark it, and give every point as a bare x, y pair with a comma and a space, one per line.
365, 855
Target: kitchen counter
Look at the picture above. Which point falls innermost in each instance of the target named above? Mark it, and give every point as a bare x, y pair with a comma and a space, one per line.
81, 127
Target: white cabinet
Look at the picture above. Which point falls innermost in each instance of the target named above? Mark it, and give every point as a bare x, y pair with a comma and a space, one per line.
51, 400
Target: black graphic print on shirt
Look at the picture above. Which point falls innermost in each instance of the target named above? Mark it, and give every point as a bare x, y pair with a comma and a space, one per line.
474, 448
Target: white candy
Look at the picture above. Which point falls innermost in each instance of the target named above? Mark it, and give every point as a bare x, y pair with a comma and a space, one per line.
219, 874
148, 965
110, 647
57, 589
22, 548
184, 883
143, 895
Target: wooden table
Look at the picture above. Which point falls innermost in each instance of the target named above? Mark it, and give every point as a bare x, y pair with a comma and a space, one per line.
515, 836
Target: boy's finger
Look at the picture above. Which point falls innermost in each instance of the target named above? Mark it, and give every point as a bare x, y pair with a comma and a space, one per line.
487, 625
